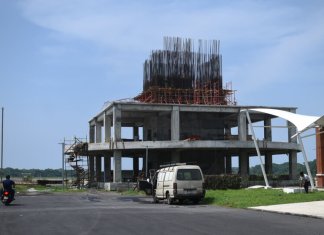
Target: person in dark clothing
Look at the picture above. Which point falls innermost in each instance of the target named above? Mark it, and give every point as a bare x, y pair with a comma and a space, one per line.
305, 181
8, 185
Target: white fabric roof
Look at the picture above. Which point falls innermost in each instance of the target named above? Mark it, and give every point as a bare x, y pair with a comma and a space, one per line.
301, 122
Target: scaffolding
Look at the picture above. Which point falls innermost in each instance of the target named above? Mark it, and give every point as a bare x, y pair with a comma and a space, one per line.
76, 153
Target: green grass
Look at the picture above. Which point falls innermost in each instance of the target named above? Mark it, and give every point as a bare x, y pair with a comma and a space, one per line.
132, 192
243, 198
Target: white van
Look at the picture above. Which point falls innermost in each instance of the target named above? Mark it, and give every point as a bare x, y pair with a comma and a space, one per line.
178, 183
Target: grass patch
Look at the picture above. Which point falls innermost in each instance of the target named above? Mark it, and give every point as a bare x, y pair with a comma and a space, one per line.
243, 198
132, 192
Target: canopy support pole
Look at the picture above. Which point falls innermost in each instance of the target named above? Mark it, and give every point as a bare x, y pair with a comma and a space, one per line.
258, 150
306, 160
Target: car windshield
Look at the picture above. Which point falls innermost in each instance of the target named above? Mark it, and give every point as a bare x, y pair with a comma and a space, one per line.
189, 174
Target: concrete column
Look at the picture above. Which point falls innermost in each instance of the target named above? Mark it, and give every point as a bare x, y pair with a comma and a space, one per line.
117, 177
117, 123
144, 164
107, 124
228, 164
320, 157
135, 167
175, 123
91, 158
91, 134
107, 168
135, 133
268, 137
91, 169
98, 168
242, 134
293, 174
242, 126
117, 166
227, 133
98, 132
244, 164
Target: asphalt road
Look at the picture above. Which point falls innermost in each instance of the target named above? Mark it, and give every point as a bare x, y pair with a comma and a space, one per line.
109, 213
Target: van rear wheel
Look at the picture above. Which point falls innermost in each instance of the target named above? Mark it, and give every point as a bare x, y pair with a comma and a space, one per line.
169, 199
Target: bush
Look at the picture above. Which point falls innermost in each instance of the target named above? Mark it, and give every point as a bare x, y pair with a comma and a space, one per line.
222, 182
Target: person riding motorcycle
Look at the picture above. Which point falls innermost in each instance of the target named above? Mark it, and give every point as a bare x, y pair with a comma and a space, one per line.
8, 185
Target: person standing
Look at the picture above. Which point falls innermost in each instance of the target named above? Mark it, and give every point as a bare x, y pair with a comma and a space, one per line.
305, 181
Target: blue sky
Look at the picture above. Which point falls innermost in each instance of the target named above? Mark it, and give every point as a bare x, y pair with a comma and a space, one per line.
61, 60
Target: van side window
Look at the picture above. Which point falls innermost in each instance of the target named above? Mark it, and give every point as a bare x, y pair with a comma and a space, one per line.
189, 174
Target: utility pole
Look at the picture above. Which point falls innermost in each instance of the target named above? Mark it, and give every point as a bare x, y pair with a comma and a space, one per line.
63, 147
2, 109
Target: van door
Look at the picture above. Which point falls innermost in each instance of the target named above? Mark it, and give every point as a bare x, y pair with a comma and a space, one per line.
159, 185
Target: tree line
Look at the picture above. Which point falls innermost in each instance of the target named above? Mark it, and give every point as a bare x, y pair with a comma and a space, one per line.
48, 173
283, 169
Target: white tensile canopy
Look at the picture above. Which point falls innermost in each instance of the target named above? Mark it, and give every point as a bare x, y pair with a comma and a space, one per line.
302, 123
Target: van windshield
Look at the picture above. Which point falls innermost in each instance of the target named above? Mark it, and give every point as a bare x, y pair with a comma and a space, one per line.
189, 174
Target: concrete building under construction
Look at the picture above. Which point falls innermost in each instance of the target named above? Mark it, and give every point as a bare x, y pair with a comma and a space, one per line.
184, 114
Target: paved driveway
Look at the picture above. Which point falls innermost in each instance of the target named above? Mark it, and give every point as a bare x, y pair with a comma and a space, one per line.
109, 213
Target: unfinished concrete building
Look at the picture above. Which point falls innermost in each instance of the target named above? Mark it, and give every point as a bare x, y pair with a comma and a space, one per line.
184, 114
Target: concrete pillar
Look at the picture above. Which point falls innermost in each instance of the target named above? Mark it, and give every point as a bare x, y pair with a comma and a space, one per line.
91, 158
320, 157
91, 169
244, 164
175, 123
227, 133
293, 174
117, 166
117, 123
91, 134
135, 167
242, 134
242, 126
228, 164
117, 137
268, 138
98, 168
268, 163
107, 124
144, 165
107, 168
98, 132
135, 133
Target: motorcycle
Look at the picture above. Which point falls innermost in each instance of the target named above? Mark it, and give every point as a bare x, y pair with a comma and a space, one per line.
6, 197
